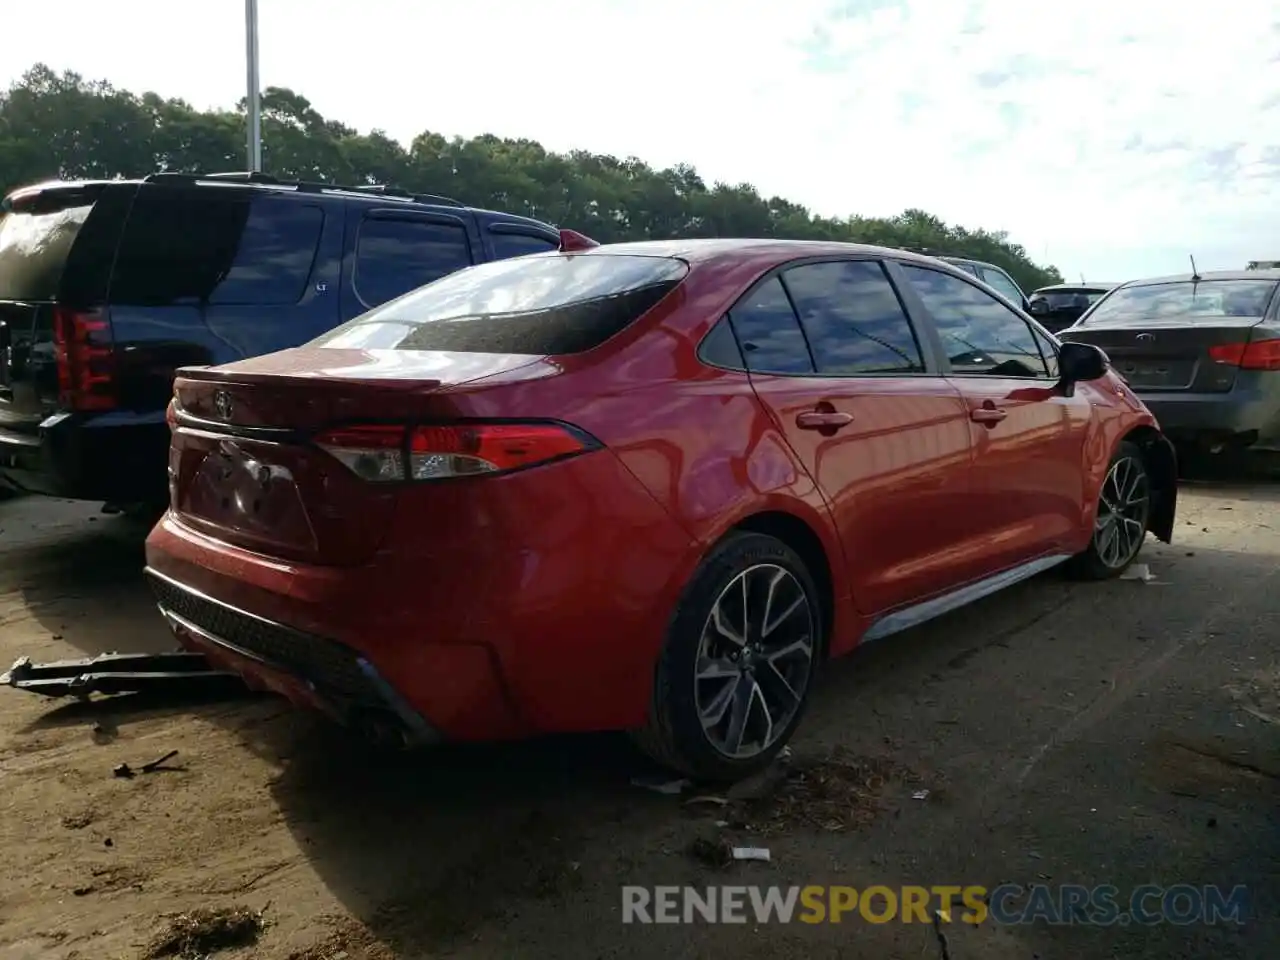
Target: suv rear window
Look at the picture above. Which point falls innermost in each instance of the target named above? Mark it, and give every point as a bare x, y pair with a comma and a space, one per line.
538, 305
35, 245
1184, 299
200, 247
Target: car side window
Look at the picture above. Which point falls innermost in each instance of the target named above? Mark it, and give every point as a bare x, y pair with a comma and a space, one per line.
1002, 284
1050, 352
394, 256
853, 319
199, 247
769, 333
506, 245
980, 335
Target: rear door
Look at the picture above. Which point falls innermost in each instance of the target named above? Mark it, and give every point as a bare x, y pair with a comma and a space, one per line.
208, 275
834, 358
1028, 440
395, 251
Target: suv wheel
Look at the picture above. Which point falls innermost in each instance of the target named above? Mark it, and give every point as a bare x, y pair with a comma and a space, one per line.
734, 677
1124, 510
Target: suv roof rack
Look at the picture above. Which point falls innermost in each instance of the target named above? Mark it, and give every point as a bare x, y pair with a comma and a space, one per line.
303, 186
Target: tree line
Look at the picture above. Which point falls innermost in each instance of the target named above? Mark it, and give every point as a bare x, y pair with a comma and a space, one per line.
63, 126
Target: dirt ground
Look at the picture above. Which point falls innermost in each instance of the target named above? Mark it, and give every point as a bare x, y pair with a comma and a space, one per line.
1121, 733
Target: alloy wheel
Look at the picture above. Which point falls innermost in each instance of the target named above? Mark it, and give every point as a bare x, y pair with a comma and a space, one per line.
1121, 525
754, 661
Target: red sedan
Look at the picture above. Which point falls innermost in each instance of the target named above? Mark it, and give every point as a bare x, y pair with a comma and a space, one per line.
647, 487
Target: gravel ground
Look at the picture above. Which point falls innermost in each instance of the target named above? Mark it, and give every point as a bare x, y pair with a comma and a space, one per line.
1121, 733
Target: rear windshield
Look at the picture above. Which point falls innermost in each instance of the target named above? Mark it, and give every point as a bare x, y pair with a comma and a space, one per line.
1184, 299
34, 247
540, 304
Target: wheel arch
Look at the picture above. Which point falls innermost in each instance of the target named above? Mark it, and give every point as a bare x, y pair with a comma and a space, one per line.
801, 537
1162, 466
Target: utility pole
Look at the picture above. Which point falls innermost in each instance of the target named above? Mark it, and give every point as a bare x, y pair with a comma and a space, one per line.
254, 103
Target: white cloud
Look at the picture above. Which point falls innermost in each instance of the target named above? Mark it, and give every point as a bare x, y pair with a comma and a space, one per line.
1116, 136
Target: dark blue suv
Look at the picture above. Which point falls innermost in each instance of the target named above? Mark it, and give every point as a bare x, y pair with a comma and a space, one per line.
108, 287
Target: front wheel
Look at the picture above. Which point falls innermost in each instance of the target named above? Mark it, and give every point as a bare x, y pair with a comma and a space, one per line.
741, 652
1124, 510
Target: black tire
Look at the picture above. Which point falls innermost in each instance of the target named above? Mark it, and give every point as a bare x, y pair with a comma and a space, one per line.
1100, 561
674, 734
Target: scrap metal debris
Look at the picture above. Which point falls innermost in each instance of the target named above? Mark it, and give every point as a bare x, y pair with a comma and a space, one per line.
1140, 572
204, 931
124, 771
663, 785
115, 673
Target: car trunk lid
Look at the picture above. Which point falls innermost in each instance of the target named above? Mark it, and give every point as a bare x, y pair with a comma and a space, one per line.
244, 465
1171, 354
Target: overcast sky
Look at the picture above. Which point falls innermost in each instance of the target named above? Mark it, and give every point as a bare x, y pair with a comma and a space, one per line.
1110, 137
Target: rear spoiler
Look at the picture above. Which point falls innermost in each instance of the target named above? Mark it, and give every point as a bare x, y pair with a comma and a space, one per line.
572, 240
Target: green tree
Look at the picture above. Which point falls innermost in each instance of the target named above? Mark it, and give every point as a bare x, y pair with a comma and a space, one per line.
63, 126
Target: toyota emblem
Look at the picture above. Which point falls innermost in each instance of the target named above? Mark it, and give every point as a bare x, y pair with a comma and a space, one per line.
222, 404
1146, 337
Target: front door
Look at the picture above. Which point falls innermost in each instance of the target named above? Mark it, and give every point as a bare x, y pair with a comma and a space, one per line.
1027, 438
834, 358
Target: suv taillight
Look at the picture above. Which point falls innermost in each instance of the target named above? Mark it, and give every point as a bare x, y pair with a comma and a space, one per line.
391, 453
85, 358
1257, 355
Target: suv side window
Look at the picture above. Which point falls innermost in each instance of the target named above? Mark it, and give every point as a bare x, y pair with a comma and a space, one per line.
191, 247
1001, 284
507, 245
769, 333
853, 319
396, 255
980, 335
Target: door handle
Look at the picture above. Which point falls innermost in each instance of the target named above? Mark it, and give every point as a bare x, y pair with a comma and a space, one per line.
823, 420
987, 415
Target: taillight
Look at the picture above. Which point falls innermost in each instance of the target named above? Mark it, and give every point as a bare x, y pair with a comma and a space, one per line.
393, 453
85, 358
1257, 355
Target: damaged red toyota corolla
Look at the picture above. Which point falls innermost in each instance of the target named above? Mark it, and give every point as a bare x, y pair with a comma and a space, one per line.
647, 487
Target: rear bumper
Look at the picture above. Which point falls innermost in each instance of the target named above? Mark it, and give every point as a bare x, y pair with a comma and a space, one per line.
518, 605
271, 656
1242, 417
112, 457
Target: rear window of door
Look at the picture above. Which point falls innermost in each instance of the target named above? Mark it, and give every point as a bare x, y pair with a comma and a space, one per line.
853, 319
397, 254
769, 332
507, 245
202, 248
980, 335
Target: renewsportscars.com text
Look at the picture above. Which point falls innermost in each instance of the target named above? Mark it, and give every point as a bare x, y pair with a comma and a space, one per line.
1009, 904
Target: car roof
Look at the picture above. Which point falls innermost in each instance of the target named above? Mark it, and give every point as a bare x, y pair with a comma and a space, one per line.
1208, 275
698, 251
267, 185
1070, 287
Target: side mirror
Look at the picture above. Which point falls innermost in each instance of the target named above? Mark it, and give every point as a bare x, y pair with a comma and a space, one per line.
1038, 308
1081, 362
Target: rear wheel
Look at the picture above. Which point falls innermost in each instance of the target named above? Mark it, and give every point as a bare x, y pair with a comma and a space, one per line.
741, 652
1124, 510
